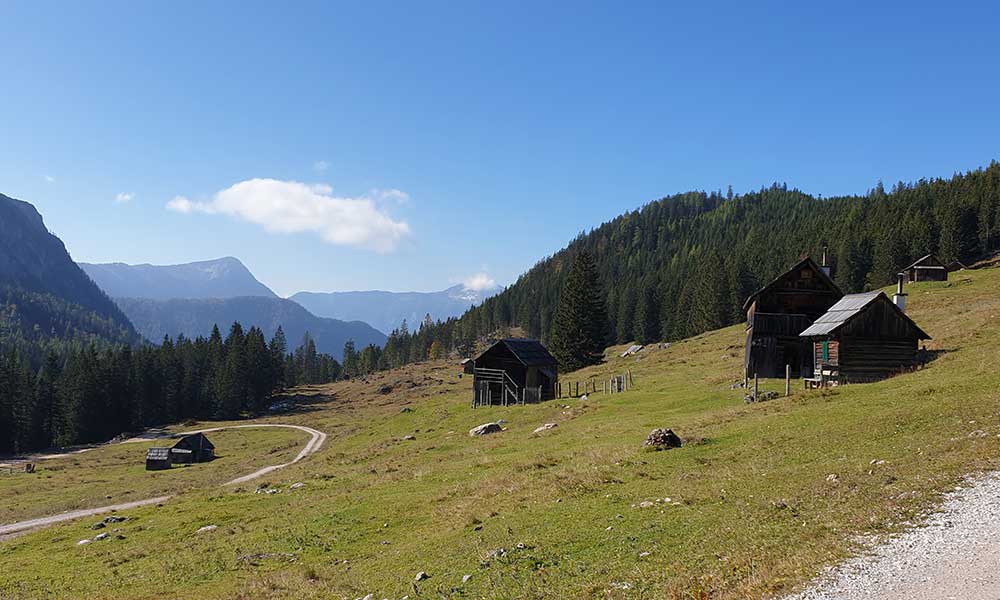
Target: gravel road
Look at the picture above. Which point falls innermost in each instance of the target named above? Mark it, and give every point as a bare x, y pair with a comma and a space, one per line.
315, 443
955, 555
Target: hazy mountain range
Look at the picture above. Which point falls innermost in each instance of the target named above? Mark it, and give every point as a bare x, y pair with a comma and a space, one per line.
221, 278
385, 311
196, 316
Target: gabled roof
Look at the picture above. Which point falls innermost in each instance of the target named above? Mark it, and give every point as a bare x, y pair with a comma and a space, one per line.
195, 441
531, 353
849, 307
807, 261
158, 454
920, 260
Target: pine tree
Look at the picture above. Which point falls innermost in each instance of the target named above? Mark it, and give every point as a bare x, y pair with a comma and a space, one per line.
579, 330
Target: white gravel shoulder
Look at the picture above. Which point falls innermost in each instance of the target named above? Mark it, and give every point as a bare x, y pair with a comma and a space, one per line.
955, 554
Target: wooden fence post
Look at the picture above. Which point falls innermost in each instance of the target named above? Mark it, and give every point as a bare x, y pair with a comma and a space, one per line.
788, 380
755, 386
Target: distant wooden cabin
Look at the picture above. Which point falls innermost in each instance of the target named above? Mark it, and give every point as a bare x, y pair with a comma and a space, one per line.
864, 337
514, 371
928, 268
779, 312
194, 448
157, 459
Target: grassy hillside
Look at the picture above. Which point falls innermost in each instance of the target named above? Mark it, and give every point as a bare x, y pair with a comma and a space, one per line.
758, 499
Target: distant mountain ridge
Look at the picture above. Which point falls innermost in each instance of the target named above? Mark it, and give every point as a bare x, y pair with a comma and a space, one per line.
386, 310
45, 294
219, 278
196, 316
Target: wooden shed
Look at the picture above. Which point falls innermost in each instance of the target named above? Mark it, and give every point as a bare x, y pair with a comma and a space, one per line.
157, 459
928, 268
863, 337
514, 371
194, 448
779, 312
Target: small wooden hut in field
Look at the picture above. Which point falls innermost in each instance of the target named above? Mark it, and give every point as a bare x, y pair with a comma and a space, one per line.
157, 459
194, 448
514, 371
864, 337
928, 268
779, 312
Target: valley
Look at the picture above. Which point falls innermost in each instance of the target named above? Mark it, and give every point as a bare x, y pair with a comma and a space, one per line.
758, 499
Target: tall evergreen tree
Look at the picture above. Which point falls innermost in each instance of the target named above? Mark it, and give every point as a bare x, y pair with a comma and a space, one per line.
579, 330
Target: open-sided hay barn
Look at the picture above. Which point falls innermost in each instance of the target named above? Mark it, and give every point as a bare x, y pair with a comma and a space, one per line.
514, 371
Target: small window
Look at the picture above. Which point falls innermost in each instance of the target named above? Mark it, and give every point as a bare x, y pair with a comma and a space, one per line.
825, 350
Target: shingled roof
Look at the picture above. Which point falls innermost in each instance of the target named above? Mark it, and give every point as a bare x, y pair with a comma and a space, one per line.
846, 309
807, 261
531, 353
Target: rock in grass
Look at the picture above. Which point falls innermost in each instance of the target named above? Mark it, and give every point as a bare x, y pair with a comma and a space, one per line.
409, 438
208, 528
421, 576
466, 578
100, 536
662, 439
485, 429
83, 542
296, 485
545, 427
98, 525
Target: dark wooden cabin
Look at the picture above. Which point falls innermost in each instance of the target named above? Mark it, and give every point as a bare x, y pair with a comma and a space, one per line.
863, 337
157, 459
928, 268
779, 312
514, 371
194, 448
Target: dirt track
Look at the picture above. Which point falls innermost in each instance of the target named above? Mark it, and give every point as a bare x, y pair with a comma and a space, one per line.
312, 446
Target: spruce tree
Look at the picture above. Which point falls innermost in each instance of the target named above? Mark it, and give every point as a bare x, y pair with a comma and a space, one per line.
579, 330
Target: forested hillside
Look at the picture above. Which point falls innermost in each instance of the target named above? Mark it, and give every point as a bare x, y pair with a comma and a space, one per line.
685, 264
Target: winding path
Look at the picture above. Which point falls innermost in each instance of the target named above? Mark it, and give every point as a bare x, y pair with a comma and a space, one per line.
312, 446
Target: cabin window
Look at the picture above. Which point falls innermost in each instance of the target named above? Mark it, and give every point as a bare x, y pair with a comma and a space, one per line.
825, 350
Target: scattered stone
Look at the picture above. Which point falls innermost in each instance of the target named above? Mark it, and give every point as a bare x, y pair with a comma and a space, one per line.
485, 429
779, 504
662, 439
98, 525
832, 478
643, 554
520, 546
647, 504
207, 528
385, 389
421, 576
100, 536
979, 433
368, 597
466, 578
545, 427
498, 553
83, 542
762, 397
409, 438
296, 485
406, 409
584, 397
115, 519
876, 461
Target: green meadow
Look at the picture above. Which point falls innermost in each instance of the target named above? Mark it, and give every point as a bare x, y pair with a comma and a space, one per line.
756, 502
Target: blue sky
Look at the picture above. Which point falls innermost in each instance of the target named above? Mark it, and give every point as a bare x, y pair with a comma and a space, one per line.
409, 146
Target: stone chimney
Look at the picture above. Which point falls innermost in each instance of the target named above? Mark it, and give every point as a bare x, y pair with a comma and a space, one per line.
899, 298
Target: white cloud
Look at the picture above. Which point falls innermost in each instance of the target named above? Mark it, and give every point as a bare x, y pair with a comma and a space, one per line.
398, 196
49, 178
294, 207
124, 197
321, 165
480, 282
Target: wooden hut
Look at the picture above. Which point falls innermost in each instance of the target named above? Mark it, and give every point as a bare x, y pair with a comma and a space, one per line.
779, 312
157, 459
863, 337
514, 371
928, 268
194, 448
